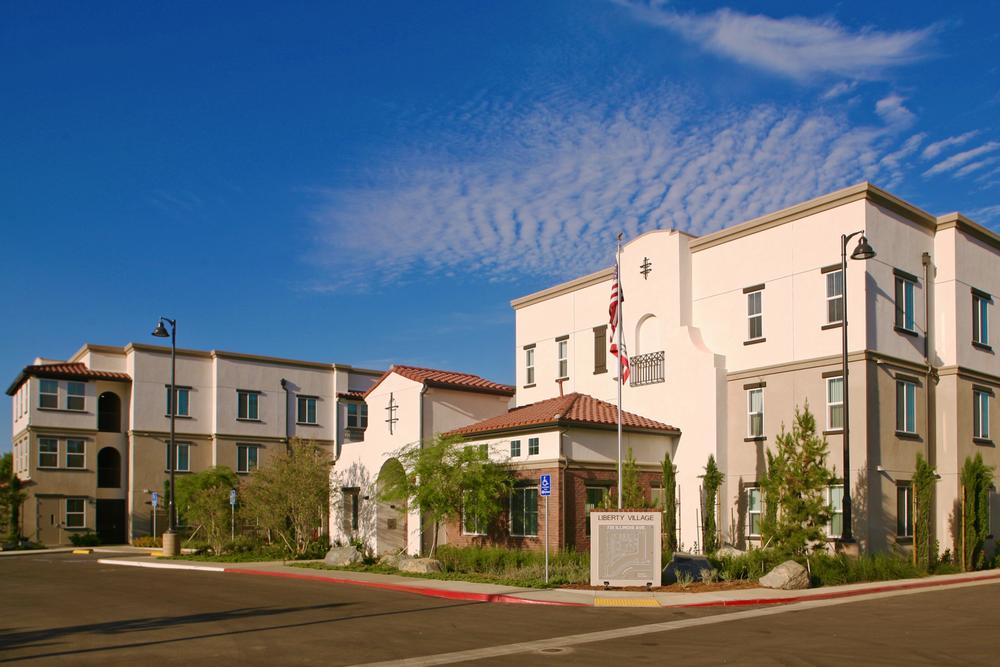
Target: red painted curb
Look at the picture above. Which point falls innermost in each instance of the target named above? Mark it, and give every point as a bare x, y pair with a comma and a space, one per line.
500, 598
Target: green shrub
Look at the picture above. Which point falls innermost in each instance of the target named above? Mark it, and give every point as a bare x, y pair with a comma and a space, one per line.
147, 541
87, 539
515, 565
825, 569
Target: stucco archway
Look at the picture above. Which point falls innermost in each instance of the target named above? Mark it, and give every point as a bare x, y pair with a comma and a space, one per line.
648, 336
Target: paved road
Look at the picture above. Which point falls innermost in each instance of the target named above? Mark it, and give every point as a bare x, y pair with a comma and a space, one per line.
63, 609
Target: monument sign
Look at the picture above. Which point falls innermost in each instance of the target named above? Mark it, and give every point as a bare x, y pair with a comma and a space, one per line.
625, 548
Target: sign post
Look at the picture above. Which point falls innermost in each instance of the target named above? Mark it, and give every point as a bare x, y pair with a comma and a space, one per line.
156, 503
232, 512
545, 490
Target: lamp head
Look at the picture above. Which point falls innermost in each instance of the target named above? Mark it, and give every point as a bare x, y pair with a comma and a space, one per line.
864, 250
160, 331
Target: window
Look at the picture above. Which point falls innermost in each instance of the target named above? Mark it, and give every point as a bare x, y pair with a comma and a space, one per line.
76, 516
183, 394
835, 403
834, 297
183, 462
562, 348
595, 498
980, 414
529, 365
76, 456
755, 413
601, 349
532, 446
904, 303
755, 315
980, 318
48, 453
246, 458
904, 508
306, 410
352, 508
835, 498
906, 406
357, 415
515, 448
247, 404
75, 396
524, 511
48, 394
472, 524
755, 511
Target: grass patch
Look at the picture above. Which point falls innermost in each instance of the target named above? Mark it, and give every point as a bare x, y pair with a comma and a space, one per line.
247, 551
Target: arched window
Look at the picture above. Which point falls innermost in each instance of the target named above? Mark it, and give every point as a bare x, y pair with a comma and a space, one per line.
109, 412
109, 468
647, 335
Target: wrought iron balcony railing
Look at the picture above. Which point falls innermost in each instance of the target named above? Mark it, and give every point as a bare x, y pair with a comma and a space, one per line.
646, 369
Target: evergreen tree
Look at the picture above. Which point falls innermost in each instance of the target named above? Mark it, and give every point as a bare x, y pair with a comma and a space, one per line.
669, 504
633, 497
976, 480
711, 482
923, 483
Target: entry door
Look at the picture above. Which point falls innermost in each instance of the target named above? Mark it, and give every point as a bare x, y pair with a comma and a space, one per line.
111, 521
48, 520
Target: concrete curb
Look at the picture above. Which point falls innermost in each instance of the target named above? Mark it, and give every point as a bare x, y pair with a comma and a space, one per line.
160, 566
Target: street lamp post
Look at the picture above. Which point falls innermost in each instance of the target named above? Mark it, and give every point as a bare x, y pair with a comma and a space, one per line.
862, 251
171, 547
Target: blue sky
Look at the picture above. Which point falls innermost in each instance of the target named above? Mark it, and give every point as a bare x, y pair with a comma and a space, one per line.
373, 182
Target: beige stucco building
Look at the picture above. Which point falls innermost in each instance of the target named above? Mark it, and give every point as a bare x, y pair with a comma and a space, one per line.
89, 433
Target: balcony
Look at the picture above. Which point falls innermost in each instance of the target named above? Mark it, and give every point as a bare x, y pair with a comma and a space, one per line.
646, 369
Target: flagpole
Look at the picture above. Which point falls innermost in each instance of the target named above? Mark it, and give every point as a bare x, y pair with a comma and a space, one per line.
618, 310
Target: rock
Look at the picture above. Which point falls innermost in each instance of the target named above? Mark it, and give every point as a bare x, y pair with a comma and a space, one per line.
789, 576
687, 565
419, 565
393, 560
342, 556
729, 551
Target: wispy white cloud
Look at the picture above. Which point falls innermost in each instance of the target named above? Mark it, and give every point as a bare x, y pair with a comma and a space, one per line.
839, 89
796, 47
986, 213
938, 147
975, 166
893, 111
547, 195
959, 159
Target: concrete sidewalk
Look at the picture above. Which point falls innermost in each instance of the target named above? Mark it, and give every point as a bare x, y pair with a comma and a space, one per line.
465, 590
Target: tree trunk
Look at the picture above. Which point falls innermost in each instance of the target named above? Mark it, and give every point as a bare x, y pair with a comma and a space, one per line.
434, 540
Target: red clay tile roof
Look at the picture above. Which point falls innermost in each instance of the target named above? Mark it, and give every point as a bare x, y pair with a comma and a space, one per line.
75, 371
564, 410
352, 395
446, 380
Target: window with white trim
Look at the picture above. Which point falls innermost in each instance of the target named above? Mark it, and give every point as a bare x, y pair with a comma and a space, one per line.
524, 511
75, 396
529, 366
246, 458
515, 448
904, 509
182, 462
906, 406
357, 415
247, 405
562, 348
183, 401
904, 303
48, 394
755, 315
981, 317
755, 413
835, 297
835, 503
48, 453
76, 454
533, 447
835, 403
76, 513
306, 409
755, 511
980, 414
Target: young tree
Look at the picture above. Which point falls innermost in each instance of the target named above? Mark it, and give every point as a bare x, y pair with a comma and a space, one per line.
711, 482
633, 497
977, 478
669, 504
923, 483
11, 498
769, 487
203, 502
798, 478
290, 495
443, 478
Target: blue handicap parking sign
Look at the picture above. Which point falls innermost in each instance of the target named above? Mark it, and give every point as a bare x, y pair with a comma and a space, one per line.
156, 499
232, 496
545, 485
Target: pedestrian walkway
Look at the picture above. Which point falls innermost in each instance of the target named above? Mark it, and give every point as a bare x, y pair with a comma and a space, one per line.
465, 590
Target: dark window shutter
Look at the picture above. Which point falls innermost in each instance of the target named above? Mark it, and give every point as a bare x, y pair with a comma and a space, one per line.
600, 349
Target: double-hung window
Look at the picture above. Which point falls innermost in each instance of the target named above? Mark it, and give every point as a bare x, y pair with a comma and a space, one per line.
755, 511
981, 318
183, 459
981, 414
76, 513
595, 498
529, 365
48, 394
755, 314
562, 357
183, 401
48, 453
75, 396
306, 410
835, 500
247, 405
835, 403
904, 510
835, 297
755, 413
533, 448
246, 458
357, 415
76, 454
904, 301
906, 406
515, 448
524, 511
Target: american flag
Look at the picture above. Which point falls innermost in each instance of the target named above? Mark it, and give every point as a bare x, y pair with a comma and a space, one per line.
616, 298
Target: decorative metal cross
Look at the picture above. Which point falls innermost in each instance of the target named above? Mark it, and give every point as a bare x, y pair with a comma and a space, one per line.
647, 267
391, 409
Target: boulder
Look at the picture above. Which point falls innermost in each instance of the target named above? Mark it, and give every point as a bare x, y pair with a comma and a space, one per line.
690, 565
729, 551
393, 560
419, 565
789, 576
342, 556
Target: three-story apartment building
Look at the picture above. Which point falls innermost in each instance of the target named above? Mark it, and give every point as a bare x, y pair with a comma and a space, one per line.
90, 433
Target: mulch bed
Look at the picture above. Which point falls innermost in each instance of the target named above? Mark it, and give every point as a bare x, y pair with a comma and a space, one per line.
697, 587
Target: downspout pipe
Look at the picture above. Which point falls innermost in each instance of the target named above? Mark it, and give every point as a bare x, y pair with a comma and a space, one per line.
288, 423
931, 372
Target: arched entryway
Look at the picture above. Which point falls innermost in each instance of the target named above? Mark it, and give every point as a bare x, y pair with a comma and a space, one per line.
109, 412
109, 468
390, 516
